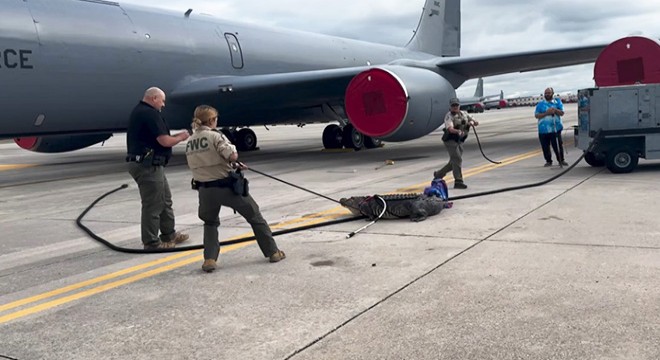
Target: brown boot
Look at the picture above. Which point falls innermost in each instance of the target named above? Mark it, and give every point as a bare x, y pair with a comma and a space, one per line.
277, 256
159, 245
178, 238
209, 265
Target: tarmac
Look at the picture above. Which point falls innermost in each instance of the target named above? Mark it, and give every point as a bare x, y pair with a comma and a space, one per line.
566, 270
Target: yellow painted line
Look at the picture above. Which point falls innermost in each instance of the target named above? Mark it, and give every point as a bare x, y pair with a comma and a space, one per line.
82, 284
15, 166
114, 284
475, 171
93, 291
311, 219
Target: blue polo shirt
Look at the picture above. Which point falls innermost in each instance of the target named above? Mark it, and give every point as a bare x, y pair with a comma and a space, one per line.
550, 123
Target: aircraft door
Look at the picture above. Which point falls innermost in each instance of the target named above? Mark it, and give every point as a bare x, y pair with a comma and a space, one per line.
234, 50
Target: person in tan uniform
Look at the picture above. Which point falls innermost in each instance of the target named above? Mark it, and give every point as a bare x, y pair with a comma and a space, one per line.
457, 125
212, 158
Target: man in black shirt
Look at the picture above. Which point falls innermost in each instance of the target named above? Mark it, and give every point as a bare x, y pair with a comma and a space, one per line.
149, 146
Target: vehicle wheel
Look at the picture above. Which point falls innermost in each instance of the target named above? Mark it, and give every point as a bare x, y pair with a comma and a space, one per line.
352, 138
246, 140
332, 136
622, 160
371, 143
592, 160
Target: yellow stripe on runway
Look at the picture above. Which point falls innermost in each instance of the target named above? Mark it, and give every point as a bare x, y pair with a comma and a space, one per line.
15, 166
190, 257
473, 171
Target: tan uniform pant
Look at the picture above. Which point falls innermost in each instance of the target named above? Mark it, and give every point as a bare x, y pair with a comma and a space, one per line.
211, 199
455, 150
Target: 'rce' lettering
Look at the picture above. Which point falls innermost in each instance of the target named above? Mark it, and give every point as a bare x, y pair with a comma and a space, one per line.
15, 59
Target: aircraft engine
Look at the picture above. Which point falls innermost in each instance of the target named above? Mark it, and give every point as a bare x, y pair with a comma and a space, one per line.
60, 143
397, 103
503, 103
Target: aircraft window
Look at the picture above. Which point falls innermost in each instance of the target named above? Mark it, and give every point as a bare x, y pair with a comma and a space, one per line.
40, 120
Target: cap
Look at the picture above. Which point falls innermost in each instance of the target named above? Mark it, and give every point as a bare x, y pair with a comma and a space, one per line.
453, 101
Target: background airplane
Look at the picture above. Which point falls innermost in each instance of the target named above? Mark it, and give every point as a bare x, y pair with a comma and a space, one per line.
496, 103
477, 101
73, 69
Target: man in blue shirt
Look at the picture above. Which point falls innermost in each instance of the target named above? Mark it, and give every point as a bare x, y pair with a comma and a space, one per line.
548, 113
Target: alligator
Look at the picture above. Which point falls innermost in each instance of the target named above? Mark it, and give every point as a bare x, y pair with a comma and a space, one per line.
415, 206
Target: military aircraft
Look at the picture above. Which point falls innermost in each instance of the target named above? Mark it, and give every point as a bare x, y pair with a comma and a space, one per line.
72, 70
496, 103
478, 100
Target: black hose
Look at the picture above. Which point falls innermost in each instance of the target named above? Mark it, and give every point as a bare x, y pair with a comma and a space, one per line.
305, 227
593, 144
192, 247
474, 128
512, 188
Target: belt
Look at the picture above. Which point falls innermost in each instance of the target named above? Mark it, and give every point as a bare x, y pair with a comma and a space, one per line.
226, 182
157, 160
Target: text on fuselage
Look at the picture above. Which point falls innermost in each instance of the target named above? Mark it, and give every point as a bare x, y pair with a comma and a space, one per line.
15, 59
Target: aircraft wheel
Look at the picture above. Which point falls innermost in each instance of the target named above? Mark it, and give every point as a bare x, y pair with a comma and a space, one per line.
229, 134
371, 143
332, 136
246, 140
352, 138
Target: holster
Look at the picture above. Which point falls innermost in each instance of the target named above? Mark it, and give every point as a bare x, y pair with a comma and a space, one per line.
240, 185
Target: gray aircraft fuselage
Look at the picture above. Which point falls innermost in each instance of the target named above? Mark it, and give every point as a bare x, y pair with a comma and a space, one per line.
71, 66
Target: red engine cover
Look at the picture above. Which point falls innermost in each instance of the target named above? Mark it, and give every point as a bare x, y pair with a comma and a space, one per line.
26, 143
628, 61
376, 102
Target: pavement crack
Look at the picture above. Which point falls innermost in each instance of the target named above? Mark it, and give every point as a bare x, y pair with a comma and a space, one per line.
415, 280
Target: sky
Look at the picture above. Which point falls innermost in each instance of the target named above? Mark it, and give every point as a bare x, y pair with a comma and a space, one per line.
488, 27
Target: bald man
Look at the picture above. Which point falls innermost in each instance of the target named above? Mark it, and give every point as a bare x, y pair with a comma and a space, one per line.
149, 146
548, 113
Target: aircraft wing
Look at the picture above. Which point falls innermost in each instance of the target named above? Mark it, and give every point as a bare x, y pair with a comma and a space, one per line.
256, 99
474, 67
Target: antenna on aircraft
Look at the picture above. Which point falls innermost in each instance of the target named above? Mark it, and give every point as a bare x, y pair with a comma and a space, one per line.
188, 12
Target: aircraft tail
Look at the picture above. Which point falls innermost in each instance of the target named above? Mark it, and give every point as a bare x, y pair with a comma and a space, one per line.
439, 29
479, 91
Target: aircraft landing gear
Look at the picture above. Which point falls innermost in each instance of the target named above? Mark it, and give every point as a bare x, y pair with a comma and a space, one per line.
352, 138
371, 143
245, 139
229, 134
334, 137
